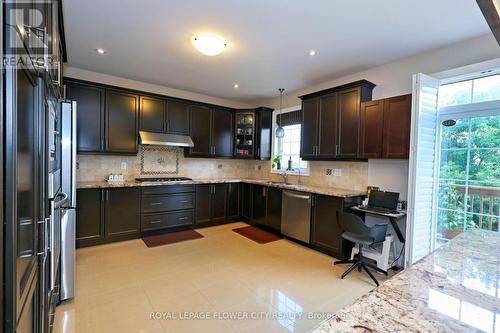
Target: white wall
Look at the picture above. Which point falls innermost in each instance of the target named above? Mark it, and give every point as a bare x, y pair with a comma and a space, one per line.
394, 78
82, 74
389, 175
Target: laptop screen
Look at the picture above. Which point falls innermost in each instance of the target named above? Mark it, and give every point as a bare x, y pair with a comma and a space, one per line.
383, 199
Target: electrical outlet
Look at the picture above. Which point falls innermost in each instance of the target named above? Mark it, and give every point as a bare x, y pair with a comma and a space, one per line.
328, 172
337, 172
123, 166
219, 166
77, 165
257, 167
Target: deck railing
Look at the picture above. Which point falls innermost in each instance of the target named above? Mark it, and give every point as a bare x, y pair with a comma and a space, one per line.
482, 201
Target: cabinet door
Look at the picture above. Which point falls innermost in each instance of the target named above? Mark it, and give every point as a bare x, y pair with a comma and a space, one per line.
274, 208
203, 203
152, 114
218, 203
89, 220
309, 135
233, 200
222, 133
200, 131
263, 135
397, 117
246, 201
328, 125
121, 122
348, 118
90, 116
121, 213
325, 231
259, 205
371, 126
178, 118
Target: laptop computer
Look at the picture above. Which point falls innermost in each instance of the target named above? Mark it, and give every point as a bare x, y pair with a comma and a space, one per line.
384, 202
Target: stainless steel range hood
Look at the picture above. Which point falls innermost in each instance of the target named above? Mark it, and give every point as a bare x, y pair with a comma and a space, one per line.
162, 139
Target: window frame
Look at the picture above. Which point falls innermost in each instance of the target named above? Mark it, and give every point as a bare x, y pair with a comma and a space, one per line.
301, 171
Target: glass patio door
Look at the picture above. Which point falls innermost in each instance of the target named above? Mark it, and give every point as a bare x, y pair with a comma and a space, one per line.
469, 176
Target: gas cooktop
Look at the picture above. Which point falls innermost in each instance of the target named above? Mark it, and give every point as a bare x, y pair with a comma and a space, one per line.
164, 179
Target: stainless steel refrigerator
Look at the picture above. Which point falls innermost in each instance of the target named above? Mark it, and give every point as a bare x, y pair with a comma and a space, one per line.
68, 186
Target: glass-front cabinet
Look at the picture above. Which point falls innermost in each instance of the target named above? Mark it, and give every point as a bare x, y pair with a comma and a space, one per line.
244, 134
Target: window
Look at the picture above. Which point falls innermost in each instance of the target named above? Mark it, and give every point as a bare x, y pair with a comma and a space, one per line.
470, 91
288, 147
469, 176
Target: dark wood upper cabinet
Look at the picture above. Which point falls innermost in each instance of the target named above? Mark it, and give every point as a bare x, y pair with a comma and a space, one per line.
90, 116
330, 121
309, 128
385, 128
222, 133
371, 129
177, 117
348, 123
263, 133
122, 212
200, 131
121, 130
152, 114
397, 119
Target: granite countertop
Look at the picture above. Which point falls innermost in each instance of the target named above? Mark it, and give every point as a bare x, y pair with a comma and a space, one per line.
453, 289
332, 191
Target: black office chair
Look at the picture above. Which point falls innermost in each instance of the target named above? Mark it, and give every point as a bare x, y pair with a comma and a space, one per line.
356, 231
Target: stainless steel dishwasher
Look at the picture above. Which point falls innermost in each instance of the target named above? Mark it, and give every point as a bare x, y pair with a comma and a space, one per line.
296, 215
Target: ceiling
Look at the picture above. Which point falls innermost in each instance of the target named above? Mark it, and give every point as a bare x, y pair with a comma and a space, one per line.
269, 41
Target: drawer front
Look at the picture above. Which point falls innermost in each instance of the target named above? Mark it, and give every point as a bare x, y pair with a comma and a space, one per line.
154, 204
166, 220
170, 189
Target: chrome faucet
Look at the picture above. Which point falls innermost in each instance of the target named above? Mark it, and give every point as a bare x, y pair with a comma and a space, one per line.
285, 177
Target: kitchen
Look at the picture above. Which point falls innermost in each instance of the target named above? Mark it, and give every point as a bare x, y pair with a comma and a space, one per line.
154, 202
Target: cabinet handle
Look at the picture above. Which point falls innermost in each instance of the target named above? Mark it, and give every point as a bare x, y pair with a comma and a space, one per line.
336, 149
184, 201
214, 150
258, 152
155, 203
182, 218
107, 195
102, 195
155, 222
264, 191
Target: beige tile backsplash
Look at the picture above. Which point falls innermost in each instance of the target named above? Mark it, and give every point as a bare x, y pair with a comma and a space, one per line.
347, 175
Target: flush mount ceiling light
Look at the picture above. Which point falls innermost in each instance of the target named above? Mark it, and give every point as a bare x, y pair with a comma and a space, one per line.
100, 51
312, 53
209, 45
236, 86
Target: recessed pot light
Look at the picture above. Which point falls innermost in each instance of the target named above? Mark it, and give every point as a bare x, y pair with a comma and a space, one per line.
100, 51
312, 53
210, 45
236, 86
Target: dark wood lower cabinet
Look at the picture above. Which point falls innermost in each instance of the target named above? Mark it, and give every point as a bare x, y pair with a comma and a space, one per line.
89, 217
325, 229
107, 215
233, 201
121, 214
210, 203
274, 208
259, 205
246, 202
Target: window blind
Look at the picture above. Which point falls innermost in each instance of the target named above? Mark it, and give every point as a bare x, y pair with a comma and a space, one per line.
422, 172
289, 118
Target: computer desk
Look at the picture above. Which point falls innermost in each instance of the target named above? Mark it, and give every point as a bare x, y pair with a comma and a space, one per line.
393, 218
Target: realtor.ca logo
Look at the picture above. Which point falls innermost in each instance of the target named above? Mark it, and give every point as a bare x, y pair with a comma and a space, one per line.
28, 41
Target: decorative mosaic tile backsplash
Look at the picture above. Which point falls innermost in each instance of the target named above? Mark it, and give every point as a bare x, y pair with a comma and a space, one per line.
157, 160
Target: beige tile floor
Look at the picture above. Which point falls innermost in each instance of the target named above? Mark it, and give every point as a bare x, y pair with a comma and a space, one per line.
240, 285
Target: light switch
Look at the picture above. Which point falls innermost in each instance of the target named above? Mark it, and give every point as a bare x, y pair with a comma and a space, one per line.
124, 166
337, 172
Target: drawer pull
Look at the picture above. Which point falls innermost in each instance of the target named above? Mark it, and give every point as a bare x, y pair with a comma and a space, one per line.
184, 201
155, 203
154, 222
183, 218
